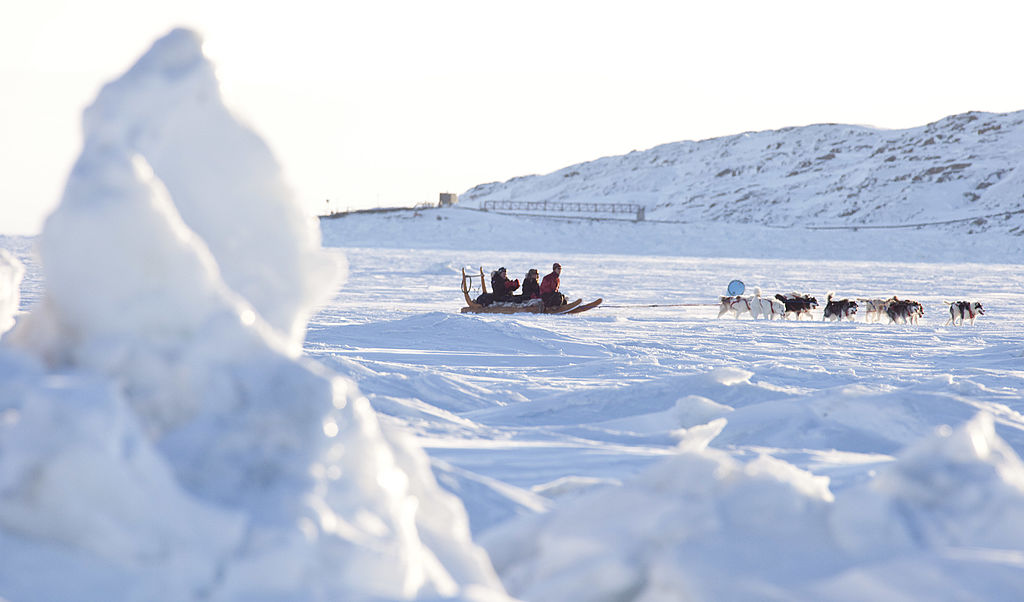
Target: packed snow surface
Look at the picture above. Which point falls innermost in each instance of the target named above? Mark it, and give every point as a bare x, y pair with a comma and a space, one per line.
647, 450
162, 437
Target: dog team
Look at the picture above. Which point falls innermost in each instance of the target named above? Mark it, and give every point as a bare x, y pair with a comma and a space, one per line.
797, 305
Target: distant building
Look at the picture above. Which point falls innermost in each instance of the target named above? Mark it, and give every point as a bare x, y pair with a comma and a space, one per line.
448, 199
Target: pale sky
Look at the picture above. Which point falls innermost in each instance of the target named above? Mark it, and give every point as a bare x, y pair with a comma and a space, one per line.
390, 102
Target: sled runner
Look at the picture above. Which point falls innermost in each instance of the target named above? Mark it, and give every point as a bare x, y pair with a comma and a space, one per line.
533, 306
584, 307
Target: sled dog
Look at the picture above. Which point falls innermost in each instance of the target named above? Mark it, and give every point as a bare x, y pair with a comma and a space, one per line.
903, 311
766, 306
837, 309
797, 304
964, 310
874, 309
735, 305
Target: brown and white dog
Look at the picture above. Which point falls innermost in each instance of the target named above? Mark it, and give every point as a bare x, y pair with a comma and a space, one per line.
903, 311
765, 306
839, 309
874, 309
964, 310
735, 305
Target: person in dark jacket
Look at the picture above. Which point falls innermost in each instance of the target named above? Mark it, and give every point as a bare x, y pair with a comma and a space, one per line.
549, 287
501, 287
531, 287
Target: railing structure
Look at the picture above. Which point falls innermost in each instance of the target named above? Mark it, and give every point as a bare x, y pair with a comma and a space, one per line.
566, 207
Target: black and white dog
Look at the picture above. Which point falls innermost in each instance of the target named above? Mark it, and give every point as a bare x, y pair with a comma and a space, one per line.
839, 309
797, 304
964, 310
903, 311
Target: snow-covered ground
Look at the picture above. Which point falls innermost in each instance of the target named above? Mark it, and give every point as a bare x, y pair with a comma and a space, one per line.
652, 453
169, 431
842, 460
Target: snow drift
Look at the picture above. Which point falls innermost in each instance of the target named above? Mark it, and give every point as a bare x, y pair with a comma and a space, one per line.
160, 437
714, 528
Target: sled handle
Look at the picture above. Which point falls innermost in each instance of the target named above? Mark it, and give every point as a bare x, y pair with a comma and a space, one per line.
465, 288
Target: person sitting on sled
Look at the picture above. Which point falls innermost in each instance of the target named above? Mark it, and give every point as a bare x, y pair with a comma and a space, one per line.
549, 287
501, 287
531, 287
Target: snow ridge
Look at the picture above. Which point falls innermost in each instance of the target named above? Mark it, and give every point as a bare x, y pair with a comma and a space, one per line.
168, 109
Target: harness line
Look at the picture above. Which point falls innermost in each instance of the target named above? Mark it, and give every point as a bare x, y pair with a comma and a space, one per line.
666, 305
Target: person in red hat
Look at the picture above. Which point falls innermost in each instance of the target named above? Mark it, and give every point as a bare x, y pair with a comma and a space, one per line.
549, 287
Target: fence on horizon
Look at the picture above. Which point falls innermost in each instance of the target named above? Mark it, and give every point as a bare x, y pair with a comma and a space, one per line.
565, 207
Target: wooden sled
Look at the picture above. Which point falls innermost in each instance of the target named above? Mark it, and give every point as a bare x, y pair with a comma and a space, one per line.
534, 306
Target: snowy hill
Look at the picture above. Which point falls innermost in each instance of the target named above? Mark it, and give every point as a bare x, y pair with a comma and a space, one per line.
963, 167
